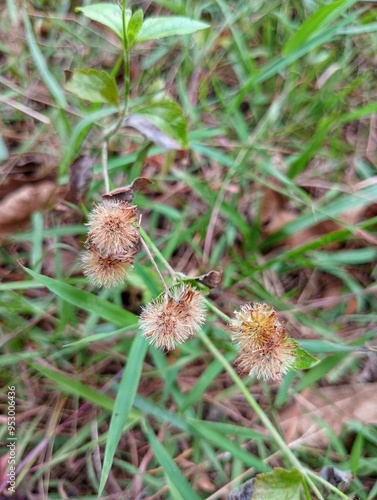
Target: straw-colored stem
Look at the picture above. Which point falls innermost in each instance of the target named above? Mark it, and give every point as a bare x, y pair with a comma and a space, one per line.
151, 258
105, 172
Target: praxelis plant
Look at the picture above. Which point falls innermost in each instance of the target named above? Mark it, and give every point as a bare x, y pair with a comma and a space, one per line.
115, 234
113, 227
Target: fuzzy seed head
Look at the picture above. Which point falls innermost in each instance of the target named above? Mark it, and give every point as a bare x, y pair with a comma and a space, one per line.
111, 227
253, 325
266, 350
167, 321
108, 271
270, 362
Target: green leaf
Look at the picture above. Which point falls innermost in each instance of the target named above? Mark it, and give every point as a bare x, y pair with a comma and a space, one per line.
73, 386
41, 64
87, 301
161, 27
279, 484
317, 21
93, 86
108, 14
174, 476
123, 404
134, 26
168, 117
208, 432
304, 360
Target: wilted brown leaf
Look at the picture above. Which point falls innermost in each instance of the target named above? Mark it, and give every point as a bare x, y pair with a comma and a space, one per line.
211, 279
17, 207
151, 132
79, 178
335, 405
127, 193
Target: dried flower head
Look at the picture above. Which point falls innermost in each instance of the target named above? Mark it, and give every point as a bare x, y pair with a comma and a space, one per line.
167, 321
106, 271
266, 350
269, 362
253, 325
111, 227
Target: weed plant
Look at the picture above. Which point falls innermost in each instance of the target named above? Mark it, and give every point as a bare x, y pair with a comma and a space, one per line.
209, 167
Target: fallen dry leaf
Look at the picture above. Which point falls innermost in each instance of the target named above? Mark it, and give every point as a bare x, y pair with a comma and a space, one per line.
335, 405
80, 175
17, 207
126, 193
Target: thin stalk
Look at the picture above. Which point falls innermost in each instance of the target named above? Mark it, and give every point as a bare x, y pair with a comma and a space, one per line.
157, 252
126, 57
105, 171
326, 484
258, 410
306, 473
212, 306
151, 258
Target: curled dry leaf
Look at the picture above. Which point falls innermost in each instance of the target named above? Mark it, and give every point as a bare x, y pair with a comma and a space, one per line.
211, 279
79, 178
335, 405
335, 476
127, 193
151, 132
17, 207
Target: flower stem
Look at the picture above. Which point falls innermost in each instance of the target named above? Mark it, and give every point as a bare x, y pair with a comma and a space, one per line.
258, 410
216, 310
157, 252
327, 484
105, 172
307, 474
151, 258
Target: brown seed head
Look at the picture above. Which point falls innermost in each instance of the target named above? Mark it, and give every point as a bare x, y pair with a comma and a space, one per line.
167, 321
111, 227
106, 271
253, 325
266, 350
270, 362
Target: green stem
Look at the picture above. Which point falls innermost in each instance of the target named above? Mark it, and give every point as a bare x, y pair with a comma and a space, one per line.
258, 410
151, 258
114, 128
327, 485
157, 252
126, 57
216, 310
306, 473
105, 171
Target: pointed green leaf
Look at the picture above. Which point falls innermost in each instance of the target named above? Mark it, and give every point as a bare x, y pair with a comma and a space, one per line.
87, 301
161, 27
304, 360
174, 476
279, 484
123, 404
168, 117
134, 26
93, 86
108, 14
315, 23
72, 386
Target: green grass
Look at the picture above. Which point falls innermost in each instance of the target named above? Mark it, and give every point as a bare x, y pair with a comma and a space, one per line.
281, 103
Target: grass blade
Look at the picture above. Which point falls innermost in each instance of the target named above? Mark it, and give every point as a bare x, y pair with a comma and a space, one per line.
316, 22
87, 301
123, 404
73, 386
173, 474
56, 91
